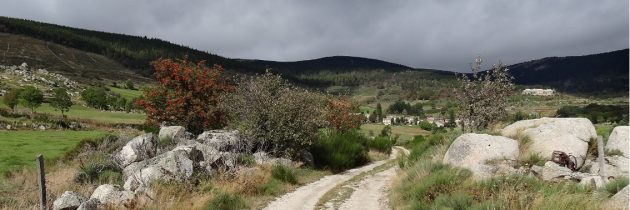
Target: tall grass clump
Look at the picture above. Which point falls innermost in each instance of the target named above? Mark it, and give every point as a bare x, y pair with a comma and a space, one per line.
339, 151
99, 168
226, 201
382, 144
284, 174
616, 185
420, 145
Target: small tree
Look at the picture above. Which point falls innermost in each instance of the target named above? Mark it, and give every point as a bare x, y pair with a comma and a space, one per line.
483, 96
187, 94
129, 85
31, 98
11, 98
379, 112
372, 117
95, 97
275, 116
61, 101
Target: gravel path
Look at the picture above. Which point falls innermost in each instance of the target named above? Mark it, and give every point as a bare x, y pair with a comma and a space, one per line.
371, 192
306, 197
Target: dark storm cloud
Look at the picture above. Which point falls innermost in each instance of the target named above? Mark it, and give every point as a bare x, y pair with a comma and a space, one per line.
430, 34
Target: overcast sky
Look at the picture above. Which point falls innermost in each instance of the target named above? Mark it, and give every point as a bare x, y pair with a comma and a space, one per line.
439, 34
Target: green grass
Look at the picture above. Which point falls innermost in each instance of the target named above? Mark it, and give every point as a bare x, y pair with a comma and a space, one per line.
284, 174
604, 130
126, 93
19, 148
406, 133
88, 113
226, 201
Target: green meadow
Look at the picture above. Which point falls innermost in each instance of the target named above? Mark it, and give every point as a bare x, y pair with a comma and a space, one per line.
19, 148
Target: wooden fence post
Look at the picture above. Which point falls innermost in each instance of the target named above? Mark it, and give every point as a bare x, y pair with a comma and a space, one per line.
42, 182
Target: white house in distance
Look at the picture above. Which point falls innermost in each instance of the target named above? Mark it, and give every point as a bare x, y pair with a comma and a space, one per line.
539, 92
387, 121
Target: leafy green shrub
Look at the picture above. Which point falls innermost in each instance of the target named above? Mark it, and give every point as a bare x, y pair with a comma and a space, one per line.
381, 144
277, 117
226, 201
340, 151
284, 173
615, 185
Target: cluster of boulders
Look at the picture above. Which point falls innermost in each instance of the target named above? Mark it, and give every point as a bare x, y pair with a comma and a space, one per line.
487, 155
144, 162
41, 77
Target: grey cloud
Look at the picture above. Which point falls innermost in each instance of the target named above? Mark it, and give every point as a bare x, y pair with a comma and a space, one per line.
427, 34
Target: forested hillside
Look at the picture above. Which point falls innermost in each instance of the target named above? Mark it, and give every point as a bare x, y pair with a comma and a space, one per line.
604, 72
133, 52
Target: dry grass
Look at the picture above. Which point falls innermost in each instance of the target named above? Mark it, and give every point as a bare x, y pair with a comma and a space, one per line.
376, 155
20, 190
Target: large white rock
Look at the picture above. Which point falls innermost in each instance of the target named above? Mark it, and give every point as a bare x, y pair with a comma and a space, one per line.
618, 140
175, 133
222, 140
68, 200
475, 151
553, 172
569, 135
177, 164
619, 200
91, 204
139, 148
615, 166
111, 196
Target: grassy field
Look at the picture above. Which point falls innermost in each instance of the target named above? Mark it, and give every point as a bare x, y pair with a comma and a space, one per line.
87, 113
127, 93
19, 148
406, 132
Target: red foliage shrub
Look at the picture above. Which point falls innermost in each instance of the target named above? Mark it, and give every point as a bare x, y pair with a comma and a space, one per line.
341, 115
187, 94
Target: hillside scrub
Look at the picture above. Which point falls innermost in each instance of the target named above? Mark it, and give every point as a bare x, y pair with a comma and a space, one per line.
273, 115
426, 183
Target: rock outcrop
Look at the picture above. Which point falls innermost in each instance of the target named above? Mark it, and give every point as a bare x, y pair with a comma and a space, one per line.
619, 200
614, 166
175, 165
143, 163
477, 152
618, 140
173, 133
546, 135
91, 204
221, 140
139, 148
110, 196
68, 200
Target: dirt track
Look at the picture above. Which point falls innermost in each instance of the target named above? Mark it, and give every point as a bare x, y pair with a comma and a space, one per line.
370, 192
